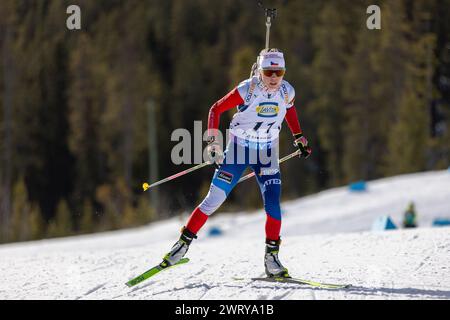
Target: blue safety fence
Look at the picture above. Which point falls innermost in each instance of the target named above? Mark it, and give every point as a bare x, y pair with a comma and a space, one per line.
358, 186
215, 231
441, 222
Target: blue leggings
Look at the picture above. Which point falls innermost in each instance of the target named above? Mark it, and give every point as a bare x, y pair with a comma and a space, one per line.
237, 159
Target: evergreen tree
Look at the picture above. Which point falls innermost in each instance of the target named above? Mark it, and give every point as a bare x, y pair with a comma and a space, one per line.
87, 218
145, 212
8, 21
361, 126
62, 224
19, 228
85, 102
129, 217
333, 42
73, 118
40, 106
36, 223
410, 137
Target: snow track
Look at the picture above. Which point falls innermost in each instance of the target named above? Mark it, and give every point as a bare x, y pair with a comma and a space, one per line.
400, 264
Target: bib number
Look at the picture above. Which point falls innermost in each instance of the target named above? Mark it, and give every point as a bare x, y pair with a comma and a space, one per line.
259, 124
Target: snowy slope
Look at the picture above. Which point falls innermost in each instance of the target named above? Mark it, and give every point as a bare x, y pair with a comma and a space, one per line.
325, 237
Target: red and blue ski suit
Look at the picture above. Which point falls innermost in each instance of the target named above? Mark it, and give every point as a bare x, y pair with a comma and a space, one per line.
253, 143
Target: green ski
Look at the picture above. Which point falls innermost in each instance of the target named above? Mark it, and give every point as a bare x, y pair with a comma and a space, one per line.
314, 284
303, 282
151, 272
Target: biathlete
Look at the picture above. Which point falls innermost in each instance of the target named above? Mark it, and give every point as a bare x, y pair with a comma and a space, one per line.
263, 101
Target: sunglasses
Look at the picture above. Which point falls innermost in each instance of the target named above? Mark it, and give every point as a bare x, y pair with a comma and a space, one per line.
269, 72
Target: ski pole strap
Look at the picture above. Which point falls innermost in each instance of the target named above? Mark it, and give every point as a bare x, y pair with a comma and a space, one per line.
290, 156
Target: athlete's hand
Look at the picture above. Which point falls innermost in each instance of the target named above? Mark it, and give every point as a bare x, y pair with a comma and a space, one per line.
302, 143
215, 152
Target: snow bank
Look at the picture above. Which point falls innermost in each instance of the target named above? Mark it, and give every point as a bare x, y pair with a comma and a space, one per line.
325, 238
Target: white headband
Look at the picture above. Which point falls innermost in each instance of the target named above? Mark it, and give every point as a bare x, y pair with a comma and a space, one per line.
274, 60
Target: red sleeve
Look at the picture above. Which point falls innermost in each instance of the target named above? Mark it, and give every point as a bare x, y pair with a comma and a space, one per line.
292, 120
231, 100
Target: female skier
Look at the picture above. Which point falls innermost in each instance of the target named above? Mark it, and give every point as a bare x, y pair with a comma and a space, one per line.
262, 102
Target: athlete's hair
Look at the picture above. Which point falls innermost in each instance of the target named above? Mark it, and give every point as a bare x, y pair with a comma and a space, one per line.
255, 65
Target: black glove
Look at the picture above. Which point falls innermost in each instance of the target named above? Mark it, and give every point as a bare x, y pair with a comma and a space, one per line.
214, 150
302, 143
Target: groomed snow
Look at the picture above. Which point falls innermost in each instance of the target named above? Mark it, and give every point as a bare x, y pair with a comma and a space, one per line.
326, 237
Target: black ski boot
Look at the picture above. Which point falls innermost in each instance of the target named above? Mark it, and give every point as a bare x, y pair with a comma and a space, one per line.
272, 264
179, 249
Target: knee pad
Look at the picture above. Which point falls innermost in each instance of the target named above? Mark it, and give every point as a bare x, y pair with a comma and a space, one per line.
213, 200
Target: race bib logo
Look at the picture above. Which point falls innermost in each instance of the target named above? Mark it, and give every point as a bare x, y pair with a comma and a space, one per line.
267, 109
225, 176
